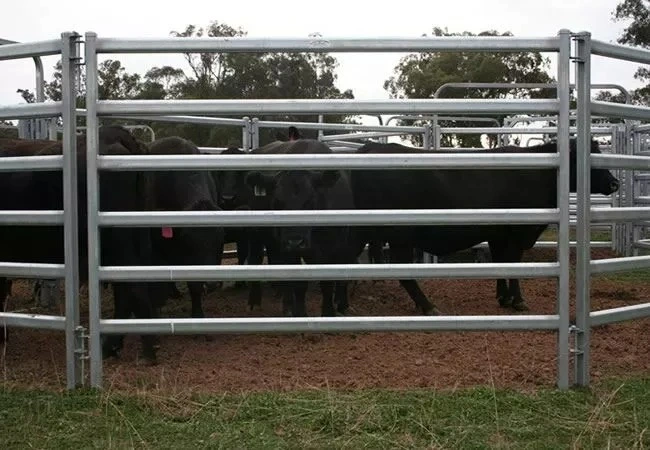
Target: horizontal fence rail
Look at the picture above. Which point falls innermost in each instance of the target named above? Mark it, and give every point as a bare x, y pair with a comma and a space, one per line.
30, 110
516, 130
32, 321
620, 264
31, 163
270, 218
633, 162
620, 52
338, 126
304, 272
620, 214
189, 119
328, 161
620, 110
31, 270
25, 217
329, 106
30, 49
320, 44
621, 314
328, 324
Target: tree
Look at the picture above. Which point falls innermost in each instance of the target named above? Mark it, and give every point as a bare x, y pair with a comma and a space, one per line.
636, 33
255, 75
420, 75
217, 76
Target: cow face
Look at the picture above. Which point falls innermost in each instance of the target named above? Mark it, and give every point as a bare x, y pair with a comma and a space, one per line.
233, 192
602, 181
293, 190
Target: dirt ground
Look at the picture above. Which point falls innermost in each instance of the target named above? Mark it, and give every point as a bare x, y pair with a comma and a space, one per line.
442, 360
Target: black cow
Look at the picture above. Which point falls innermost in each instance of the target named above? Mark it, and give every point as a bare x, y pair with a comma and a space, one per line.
234, 194
184, 191
119, 191
467, 189
303, 190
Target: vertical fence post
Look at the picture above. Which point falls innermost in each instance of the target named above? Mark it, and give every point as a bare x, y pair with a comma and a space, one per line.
246, 134
628, 148
427, 137
321, 119
583, 177
70, 59
563, 248
255, 133
614, 197
636, 192
92, 144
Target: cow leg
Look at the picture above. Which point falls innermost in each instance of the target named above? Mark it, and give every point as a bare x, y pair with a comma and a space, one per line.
509, 296
113, 343
143, 308
255, 257
341, 297
127, 300
211, 286
515, 254
327, 304
401, 254
287, 300
497, 250
242, 255
196, 294
299, 292
518, 302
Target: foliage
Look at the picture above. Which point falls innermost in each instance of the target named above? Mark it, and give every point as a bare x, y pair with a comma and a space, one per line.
420, 75
217, 76
636, 33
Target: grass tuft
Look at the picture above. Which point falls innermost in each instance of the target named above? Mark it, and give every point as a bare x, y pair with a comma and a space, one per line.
613, 414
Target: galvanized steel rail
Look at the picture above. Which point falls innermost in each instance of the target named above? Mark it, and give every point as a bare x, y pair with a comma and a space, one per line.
67, 46
97, 108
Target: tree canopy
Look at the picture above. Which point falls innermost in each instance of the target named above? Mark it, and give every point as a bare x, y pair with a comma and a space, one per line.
420, 75
636, 33
218, 76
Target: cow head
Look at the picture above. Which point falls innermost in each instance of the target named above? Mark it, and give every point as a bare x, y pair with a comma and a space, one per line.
602, 181
293, 190
233, 192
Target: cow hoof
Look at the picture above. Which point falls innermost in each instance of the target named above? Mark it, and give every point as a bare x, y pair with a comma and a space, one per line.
505, 302
240, 284
520, 305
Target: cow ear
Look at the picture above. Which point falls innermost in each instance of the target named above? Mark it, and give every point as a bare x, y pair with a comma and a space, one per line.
259, 183
327, 178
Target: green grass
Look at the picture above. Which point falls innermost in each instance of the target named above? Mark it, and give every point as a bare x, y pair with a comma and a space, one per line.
631, 276
550, 234
615, 414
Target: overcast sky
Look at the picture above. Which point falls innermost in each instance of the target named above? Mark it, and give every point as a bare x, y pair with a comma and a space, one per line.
30, 20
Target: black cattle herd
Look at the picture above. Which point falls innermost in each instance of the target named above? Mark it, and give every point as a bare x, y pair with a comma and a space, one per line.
203, 190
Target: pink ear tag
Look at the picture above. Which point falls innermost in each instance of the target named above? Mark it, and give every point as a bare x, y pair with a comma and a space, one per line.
167, 232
